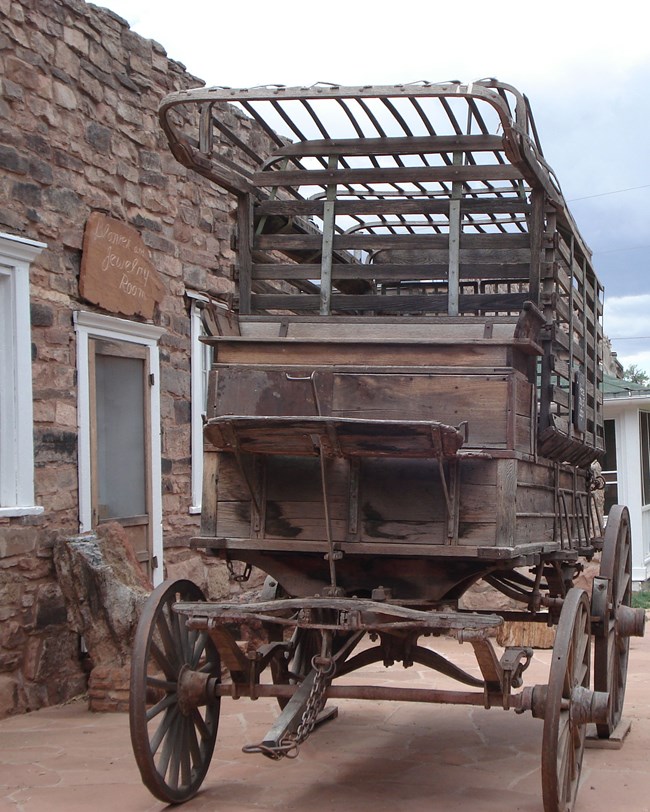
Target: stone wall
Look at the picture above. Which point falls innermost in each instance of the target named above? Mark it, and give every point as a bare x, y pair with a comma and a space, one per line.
79, 133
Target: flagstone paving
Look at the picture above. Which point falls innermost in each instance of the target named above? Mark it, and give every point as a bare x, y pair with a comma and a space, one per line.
377, 756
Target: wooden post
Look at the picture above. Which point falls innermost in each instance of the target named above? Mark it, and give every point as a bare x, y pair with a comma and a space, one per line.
536, 230
453, 274
244, 250
209, 497
329, 218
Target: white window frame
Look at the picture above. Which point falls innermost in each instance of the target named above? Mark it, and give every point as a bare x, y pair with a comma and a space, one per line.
89, 325
16, 405
199, 375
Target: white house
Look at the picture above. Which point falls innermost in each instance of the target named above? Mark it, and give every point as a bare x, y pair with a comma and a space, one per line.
626, 466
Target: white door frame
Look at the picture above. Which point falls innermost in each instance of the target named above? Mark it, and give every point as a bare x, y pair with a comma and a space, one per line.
89, 325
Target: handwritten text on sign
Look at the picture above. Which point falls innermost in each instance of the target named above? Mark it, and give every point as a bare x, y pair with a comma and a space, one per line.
116, 269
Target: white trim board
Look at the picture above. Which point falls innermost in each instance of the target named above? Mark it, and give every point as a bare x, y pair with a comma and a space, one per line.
16, 401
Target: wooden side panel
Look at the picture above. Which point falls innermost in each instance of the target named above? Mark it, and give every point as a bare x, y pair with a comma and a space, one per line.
267, 393
525, 415
233, 513
294, 499
449, 399
535, 502
478, 490
482, 400
401, 500
503, 502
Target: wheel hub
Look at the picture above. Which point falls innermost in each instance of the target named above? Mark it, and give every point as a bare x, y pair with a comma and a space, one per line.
191, 689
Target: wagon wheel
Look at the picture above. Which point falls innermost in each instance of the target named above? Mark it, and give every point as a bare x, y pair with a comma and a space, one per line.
611, 594
172, 717
563, 738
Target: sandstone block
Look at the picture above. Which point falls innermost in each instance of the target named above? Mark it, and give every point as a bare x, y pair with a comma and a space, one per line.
76, 39
65, 96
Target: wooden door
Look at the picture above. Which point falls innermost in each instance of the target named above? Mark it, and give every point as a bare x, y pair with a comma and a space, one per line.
120, 434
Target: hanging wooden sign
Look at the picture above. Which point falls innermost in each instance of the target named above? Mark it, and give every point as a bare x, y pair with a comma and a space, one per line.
116, 269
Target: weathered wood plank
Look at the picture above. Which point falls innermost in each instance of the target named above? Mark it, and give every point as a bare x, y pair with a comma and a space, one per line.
465, 550
234, 519
403, 242
511, 268
299, 479
405, 174
449, 399
244, 243
335, 436
399, 206
426, 303
535, 499
303, 525
401, 145
209, 495
505, 502
303, 353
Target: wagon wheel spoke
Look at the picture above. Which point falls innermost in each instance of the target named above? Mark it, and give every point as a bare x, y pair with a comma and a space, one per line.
200, 725
161, 684
566, 762
173, 722
163, 729
184, 752
193, 744
611, 649
159, 707
168, 646
168, 746
198, 647
181, 634
563, 738
171, 671
175, 749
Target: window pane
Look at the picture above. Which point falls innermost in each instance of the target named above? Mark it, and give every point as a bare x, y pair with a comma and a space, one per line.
645, 455
120, 436
609, 463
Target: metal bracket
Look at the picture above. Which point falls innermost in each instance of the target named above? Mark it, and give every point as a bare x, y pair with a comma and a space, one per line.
514, 662
450, 490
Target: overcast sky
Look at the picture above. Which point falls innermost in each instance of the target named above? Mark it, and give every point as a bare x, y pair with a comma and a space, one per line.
585, 66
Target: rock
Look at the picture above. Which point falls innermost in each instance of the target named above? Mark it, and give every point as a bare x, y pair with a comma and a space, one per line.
8, 693
104, 589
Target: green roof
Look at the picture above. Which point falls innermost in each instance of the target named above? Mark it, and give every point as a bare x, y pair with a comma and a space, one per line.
620, 387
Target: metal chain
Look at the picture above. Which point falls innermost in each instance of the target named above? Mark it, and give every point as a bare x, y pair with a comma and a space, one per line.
239, 578
289, 746
316, 701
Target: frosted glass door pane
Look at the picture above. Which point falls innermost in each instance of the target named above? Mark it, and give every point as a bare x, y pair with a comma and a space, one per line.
120, 436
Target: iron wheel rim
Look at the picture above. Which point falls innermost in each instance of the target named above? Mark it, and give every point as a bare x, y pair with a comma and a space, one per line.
173, 745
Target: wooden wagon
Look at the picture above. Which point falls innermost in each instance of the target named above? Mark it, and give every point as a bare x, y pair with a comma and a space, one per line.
404, 399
